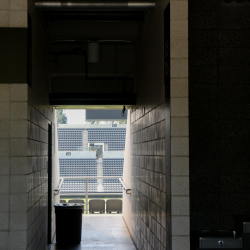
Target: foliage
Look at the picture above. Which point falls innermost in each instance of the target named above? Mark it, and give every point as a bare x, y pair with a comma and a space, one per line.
107, 122
61, 117
93, 122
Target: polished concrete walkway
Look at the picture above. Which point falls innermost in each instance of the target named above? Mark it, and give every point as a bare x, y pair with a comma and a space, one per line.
102, 232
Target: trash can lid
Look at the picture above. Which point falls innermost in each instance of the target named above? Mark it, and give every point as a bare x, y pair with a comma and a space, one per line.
69, 206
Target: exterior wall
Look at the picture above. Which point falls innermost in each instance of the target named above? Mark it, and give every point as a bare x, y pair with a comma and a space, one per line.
179, 124
219, 46
148, 180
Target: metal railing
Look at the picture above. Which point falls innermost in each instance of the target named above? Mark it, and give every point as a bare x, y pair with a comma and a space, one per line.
128, 190
57, 191
86, 178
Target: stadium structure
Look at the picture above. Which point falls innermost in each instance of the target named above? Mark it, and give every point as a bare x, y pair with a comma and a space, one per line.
91, 150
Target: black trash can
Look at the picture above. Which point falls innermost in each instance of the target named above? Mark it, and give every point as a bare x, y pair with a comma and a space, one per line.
68, 223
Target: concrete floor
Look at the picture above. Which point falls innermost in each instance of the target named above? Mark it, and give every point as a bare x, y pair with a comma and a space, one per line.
102, 232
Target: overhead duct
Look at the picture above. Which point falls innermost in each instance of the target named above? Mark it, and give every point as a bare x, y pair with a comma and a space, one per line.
96, 5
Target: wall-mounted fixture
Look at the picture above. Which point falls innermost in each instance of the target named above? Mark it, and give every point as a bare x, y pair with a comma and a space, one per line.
57, 190
93, 52
123, 112
143, 111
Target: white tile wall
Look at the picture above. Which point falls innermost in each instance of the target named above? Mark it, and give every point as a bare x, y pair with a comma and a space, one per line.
179, 166
180, 186
19, 165
4, 218
19, 92
179, 125
17, 239
180, 225
5, 110
23, 160
4, 165
180, 205
13, 141
18, 221
179, 87
37, 187
13, 13
4, 184
4, 205
19, 110
4, 91
180, 242
4, 237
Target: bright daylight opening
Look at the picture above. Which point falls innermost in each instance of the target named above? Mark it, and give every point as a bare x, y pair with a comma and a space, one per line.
91, 147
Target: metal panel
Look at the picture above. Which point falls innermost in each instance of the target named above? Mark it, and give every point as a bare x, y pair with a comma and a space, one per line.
220, 243
105, 115
96, 5
92, 99
246, 227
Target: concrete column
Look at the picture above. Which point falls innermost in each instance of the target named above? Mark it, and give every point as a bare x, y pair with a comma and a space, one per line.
179, 125
127, 211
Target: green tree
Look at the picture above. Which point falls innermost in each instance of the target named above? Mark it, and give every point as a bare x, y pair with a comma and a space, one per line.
93, 122
61, 117
107, 122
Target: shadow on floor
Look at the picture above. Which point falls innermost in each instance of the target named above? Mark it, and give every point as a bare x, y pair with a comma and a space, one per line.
102, 232
69, 247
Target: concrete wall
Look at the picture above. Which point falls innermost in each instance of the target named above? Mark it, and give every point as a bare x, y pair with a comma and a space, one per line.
219, 35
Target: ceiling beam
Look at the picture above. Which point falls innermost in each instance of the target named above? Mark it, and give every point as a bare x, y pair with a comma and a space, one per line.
92, 99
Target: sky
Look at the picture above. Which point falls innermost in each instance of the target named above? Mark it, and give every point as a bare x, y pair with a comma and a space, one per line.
75, 116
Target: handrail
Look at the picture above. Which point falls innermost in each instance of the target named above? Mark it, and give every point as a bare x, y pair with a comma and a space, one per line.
91, 177
86, 183
124, 187
59, 187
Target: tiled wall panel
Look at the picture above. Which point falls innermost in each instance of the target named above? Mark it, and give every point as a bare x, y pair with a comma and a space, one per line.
13, 153
179, 124
23, 170
148, 139
150, 182
39, 116
13, 13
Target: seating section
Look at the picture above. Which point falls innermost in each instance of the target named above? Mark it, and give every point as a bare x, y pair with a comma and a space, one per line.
96, 205
70, 139
74, 139
114, 205
76, 201
88, 167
